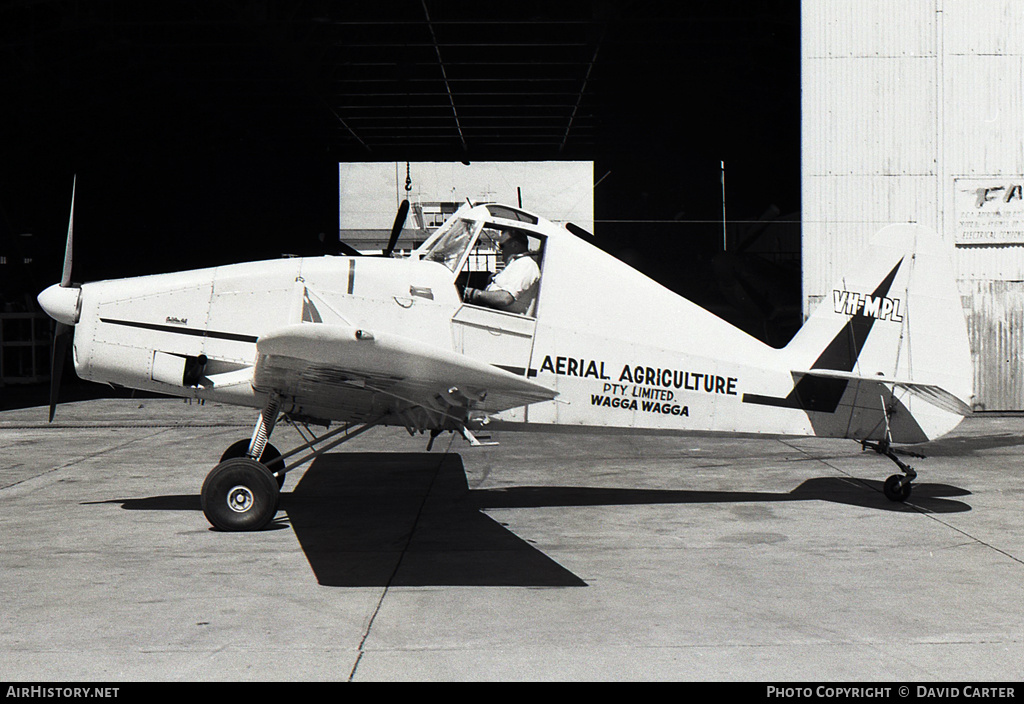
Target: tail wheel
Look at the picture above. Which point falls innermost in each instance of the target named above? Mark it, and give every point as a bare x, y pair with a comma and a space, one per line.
270, 453
897, 488
240, 494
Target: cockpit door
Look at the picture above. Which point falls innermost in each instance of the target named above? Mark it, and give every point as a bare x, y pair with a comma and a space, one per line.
491, 336
495, 337
498, 337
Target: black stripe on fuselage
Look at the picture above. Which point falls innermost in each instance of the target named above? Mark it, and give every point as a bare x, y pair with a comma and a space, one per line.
176, 329
518, 371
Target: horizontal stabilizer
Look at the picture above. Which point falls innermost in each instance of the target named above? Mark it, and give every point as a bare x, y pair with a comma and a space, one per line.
933, 394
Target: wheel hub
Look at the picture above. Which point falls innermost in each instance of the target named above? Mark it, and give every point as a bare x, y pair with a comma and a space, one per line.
240, 499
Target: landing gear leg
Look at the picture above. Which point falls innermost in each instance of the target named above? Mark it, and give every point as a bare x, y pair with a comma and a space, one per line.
897, 487
242, 493
264, 427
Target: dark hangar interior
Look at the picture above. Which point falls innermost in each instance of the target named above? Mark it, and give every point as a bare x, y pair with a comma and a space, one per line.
203, 133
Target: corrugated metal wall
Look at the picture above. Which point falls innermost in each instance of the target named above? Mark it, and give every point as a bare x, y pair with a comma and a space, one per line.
994, 322
909, 108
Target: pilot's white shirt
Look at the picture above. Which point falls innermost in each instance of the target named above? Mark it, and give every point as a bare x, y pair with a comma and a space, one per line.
519, 278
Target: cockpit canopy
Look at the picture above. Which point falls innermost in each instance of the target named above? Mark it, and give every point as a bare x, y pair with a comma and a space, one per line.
472, 236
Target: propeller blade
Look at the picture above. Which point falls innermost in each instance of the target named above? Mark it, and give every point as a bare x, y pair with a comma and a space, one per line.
65, 279
61, 305
396, 229
61, 337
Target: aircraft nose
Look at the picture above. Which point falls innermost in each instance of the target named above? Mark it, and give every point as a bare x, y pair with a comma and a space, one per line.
61, 303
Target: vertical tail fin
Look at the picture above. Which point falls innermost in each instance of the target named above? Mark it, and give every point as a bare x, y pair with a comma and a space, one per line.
896, 320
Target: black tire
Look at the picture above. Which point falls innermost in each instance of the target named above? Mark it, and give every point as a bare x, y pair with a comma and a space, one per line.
893, 489
240, 494
270, 453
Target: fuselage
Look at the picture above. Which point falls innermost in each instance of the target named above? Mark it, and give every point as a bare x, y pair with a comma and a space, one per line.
617, 362
620, 350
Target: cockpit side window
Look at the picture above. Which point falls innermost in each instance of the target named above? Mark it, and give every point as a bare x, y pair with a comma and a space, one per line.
506, 261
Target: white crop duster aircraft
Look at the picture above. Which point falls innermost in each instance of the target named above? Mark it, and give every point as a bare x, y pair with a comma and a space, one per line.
362, 341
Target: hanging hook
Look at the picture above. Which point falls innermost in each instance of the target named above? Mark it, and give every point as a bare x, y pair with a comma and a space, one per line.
408, 178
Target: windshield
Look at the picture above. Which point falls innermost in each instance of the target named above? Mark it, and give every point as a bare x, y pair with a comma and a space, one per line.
450, 247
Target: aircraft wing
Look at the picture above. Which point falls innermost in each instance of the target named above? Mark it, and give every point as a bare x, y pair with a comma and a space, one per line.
339, 367
935, 395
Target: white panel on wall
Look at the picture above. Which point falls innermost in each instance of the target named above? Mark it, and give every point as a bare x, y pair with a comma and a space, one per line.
984, 114
853, 209
873, 116
983, 27
835, 28
870, 137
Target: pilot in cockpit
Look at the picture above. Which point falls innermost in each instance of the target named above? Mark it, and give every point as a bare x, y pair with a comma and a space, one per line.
514, 288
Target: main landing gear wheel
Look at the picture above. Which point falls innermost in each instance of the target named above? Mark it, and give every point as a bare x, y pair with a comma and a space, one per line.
897, 488
240, 494
270, 453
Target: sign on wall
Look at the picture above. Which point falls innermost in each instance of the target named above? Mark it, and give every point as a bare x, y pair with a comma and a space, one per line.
989, 210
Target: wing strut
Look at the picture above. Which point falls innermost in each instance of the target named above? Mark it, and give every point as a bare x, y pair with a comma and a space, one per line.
348, 431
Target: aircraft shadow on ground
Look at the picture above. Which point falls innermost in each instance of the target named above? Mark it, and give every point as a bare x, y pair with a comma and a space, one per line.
410, 519
962, 446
